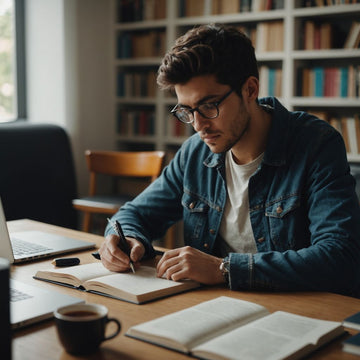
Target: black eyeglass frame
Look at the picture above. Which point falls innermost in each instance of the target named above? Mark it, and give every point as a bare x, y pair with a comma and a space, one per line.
191, 111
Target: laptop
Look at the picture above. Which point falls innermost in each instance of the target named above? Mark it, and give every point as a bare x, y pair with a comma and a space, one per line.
30, 245
30, 304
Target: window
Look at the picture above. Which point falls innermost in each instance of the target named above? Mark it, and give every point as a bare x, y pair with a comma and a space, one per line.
12, 60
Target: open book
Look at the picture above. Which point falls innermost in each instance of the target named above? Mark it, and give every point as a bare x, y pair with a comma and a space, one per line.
228, 328
137, 288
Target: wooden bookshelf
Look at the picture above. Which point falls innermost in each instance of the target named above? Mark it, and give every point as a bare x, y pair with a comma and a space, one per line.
291, 38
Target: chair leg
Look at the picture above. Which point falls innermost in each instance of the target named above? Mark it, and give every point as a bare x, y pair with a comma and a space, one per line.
87, 222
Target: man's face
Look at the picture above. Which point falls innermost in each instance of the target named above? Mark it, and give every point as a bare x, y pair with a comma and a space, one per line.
224, 132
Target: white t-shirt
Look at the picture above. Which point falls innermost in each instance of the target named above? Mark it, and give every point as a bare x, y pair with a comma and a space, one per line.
235, 227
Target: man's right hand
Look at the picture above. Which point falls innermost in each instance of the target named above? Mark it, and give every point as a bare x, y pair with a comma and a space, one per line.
114, 259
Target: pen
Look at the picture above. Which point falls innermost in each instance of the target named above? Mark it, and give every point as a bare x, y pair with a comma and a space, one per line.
123, 245
96, 255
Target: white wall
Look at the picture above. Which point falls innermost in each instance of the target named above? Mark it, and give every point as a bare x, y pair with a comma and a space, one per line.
68, 56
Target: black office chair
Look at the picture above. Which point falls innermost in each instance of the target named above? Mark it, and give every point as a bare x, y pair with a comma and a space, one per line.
37, 177
355, 171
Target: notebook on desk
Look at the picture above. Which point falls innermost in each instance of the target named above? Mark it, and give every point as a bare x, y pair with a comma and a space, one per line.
30, 245
30, 304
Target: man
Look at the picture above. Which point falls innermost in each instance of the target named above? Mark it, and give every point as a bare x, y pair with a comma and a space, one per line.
265, 194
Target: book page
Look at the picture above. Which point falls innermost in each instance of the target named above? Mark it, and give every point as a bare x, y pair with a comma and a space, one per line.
143, 281
281, 335
140, 287
185, 329
80, 272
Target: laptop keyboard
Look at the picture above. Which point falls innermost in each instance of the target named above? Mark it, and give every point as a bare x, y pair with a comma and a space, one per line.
17, 295
21, 247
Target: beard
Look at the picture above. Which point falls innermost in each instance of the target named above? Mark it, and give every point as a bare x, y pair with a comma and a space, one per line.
213, 139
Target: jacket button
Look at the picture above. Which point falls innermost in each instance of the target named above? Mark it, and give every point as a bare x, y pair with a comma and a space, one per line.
261, 240
279, 209
206, 245
192, 205
212, 231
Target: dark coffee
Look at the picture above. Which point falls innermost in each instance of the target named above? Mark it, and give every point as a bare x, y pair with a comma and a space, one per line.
81, 328
80, 313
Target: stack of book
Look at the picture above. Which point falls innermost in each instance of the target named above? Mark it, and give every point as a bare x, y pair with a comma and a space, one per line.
136, 122
139, 10
270, 81
140, 44
329, 81
137, 84
190, 8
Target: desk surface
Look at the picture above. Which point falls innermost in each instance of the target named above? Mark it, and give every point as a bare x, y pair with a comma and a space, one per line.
40, 341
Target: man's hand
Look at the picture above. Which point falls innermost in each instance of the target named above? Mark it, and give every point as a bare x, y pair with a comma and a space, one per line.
114, 259
190, 263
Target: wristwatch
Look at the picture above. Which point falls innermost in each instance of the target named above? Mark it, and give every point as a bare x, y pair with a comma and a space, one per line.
224, 268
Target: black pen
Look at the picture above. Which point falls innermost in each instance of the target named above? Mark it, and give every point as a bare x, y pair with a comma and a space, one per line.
123, 245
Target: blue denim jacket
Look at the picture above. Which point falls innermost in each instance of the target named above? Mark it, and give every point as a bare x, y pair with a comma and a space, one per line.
303, 208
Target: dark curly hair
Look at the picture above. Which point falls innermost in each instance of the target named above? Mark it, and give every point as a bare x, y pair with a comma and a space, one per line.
223, 51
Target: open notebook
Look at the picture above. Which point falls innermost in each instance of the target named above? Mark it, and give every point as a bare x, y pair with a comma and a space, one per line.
29, 245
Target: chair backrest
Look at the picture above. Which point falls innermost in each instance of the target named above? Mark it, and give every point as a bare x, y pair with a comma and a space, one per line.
37, 176
140, 164
355, 171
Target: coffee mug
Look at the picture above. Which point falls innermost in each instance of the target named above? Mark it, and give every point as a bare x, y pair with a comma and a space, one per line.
81, 328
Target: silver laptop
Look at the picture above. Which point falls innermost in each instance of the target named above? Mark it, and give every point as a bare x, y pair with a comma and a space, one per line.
30, 245
30, 304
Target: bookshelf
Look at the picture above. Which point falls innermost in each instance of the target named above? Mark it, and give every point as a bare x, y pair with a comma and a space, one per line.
298, 44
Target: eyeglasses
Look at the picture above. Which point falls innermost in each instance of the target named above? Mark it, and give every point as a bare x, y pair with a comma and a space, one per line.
206, 110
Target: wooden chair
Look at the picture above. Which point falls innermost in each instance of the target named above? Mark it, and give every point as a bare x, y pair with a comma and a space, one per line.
143, 164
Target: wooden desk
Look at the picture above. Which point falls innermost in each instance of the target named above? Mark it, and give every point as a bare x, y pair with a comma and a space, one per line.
41, 342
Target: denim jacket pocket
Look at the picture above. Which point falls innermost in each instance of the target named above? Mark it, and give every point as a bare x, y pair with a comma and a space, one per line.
282, 215
195, 216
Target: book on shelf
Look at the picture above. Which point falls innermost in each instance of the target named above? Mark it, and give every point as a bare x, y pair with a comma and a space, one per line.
229, 328
233, 6
319, 3
140, 44
140, 10
352, 40
176, 128
349, 128
270, 81
321, 81
225, 7
148, 44
352, 344
136, 84
139, 287
250, 32
269, 36
352, 321
266, 5
154, 9
309, 35
188, 8
317, 36
194, 8
123, 42
135, 122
